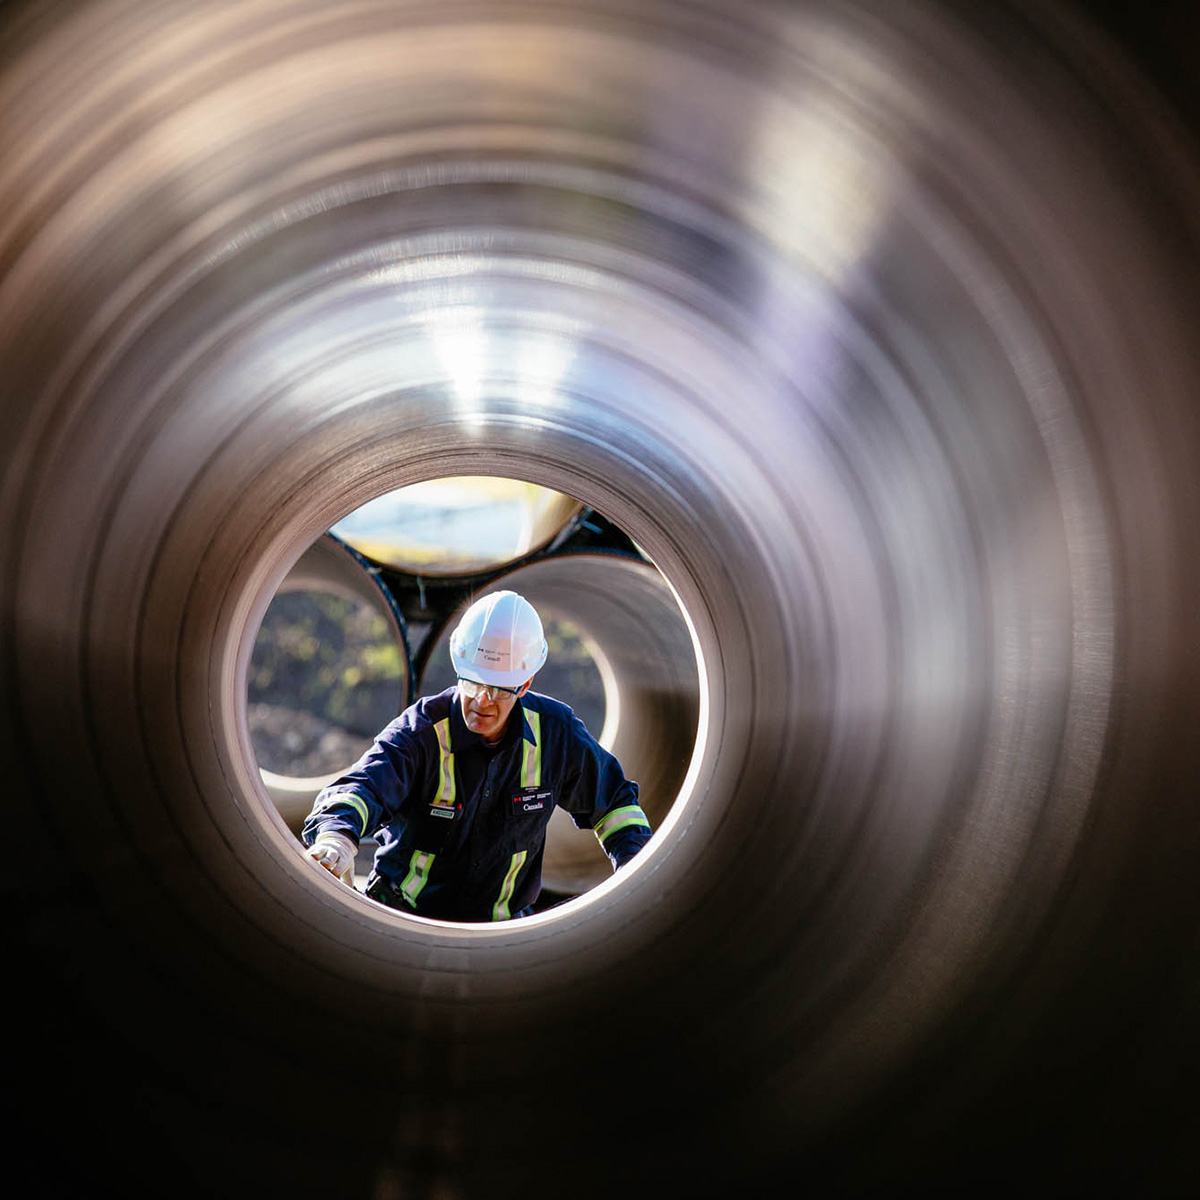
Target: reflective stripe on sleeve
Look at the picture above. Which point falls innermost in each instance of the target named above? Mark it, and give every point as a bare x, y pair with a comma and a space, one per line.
445, 792
355, 801
500, 910
531, 756
417, 877
619, 818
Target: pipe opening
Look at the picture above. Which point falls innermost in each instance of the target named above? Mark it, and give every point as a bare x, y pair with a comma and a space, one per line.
457, 526
360, 626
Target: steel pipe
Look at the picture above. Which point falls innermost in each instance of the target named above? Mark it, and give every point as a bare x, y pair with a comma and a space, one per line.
459, 526
329, 566
874, 326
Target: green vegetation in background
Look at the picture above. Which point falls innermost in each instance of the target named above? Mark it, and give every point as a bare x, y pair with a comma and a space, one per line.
330, 656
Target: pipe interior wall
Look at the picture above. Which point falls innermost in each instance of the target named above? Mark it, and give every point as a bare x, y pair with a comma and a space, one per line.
873, 324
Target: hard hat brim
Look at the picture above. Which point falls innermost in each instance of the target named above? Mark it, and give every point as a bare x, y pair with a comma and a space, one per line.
489, 678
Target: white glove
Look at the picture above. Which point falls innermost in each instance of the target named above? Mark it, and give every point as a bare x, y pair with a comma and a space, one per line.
335, 852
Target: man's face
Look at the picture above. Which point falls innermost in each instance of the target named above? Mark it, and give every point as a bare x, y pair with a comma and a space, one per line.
486, 711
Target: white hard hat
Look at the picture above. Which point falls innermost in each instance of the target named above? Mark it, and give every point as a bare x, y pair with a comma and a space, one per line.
499, 641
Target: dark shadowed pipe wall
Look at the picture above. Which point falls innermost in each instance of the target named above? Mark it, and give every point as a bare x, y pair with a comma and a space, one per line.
874, 325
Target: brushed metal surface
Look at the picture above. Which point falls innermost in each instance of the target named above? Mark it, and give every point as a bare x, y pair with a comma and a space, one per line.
874, 324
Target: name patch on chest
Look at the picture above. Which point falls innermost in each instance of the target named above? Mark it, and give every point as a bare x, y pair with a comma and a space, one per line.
530, 800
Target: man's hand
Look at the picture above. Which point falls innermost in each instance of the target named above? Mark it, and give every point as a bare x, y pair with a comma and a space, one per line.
333, 851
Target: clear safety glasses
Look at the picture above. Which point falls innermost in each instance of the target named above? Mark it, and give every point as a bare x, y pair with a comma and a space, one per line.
473, 690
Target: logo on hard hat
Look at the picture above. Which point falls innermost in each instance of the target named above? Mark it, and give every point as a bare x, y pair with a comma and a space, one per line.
492, 650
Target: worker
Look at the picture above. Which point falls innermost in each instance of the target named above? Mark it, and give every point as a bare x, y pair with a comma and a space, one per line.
457, 791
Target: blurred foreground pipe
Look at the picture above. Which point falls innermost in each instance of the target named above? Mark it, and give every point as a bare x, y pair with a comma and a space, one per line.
874, 325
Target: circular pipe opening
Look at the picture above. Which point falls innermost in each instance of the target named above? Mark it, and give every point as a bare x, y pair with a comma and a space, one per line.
621, 653
457, 526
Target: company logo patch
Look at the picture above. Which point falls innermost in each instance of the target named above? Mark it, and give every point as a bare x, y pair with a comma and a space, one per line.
532, 799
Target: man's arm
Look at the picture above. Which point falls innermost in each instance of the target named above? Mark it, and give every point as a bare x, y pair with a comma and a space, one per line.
357, 803
600, 798
622, 832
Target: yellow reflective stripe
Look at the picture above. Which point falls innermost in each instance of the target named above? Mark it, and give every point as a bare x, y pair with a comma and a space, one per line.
417, 877
500, 911
355, 801
531, 756
619, 818
445, 792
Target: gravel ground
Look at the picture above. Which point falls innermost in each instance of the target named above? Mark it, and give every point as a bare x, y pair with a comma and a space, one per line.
290, 742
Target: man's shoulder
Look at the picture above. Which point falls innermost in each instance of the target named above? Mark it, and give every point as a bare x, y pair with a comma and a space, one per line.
547, 706
556, 716
420, 719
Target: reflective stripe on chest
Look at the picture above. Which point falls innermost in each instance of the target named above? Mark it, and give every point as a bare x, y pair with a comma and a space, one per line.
444, 803
531, 755
532, 797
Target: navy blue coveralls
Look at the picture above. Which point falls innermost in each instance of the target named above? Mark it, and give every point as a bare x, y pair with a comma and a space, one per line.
461, 825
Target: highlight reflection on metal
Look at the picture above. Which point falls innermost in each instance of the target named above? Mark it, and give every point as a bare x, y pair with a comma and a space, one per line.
456, 526
874, 324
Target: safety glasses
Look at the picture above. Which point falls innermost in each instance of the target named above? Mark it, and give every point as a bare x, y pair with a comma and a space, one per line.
473, 690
